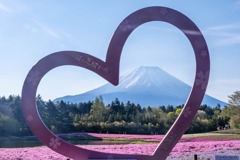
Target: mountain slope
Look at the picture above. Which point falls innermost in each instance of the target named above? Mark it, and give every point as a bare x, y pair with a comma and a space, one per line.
147, 86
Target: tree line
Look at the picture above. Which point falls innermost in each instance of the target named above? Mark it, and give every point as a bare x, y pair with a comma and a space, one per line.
116, 117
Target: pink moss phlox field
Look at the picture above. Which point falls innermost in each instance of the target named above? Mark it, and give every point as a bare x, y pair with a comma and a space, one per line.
33, 153
180, 148
186, 147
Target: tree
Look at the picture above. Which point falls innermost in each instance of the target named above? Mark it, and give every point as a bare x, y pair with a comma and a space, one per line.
84, 107
234, 99
98, 110
209, 111
178, 111
171, 117
170, 108
8, 126
116, 107
163, 108
234, 109
235, 121
15, 106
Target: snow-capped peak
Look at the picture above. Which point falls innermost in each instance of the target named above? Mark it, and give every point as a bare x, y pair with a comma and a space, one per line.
147, 76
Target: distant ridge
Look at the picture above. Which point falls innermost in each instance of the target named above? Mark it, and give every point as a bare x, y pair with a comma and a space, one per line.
147, 86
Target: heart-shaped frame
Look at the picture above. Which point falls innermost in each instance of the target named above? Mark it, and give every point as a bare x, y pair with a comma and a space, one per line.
110, 71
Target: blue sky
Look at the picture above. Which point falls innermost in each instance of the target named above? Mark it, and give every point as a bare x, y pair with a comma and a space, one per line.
30, 30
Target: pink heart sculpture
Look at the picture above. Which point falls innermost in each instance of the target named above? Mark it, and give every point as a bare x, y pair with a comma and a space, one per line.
110, 71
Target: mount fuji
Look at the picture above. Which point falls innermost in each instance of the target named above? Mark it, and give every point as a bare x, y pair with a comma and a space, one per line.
147, 86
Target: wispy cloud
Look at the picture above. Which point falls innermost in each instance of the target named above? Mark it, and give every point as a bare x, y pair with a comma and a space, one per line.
4, 8
228, 27
234, 39
47, 30
226, 34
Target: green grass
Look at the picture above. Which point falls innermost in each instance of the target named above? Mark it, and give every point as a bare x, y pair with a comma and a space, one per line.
104, 141
125, 141
230, 134
216, 135
229, 131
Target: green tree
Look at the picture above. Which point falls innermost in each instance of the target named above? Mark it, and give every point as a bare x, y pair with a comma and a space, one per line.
209, 111
98, 110
116, 107
234, 109
235, 121
170, 108
178, 111
234, 99
9, 126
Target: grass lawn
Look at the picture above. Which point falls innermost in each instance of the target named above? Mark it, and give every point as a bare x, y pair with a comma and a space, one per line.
216, 135
231, 134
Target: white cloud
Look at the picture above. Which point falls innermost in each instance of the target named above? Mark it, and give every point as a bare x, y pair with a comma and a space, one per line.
4, 8
228, 27
47, 30
234, 39
225, 34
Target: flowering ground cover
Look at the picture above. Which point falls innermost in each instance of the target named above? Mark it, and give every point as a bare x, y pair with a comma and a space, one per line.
203, 145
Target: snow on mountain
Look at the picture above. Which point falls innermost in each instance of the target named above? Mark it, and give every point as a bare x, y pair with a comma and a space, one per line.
147, 86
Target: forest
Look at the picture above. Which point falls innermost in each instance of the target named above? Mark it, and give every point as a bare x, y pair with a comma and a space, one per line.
116, 117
